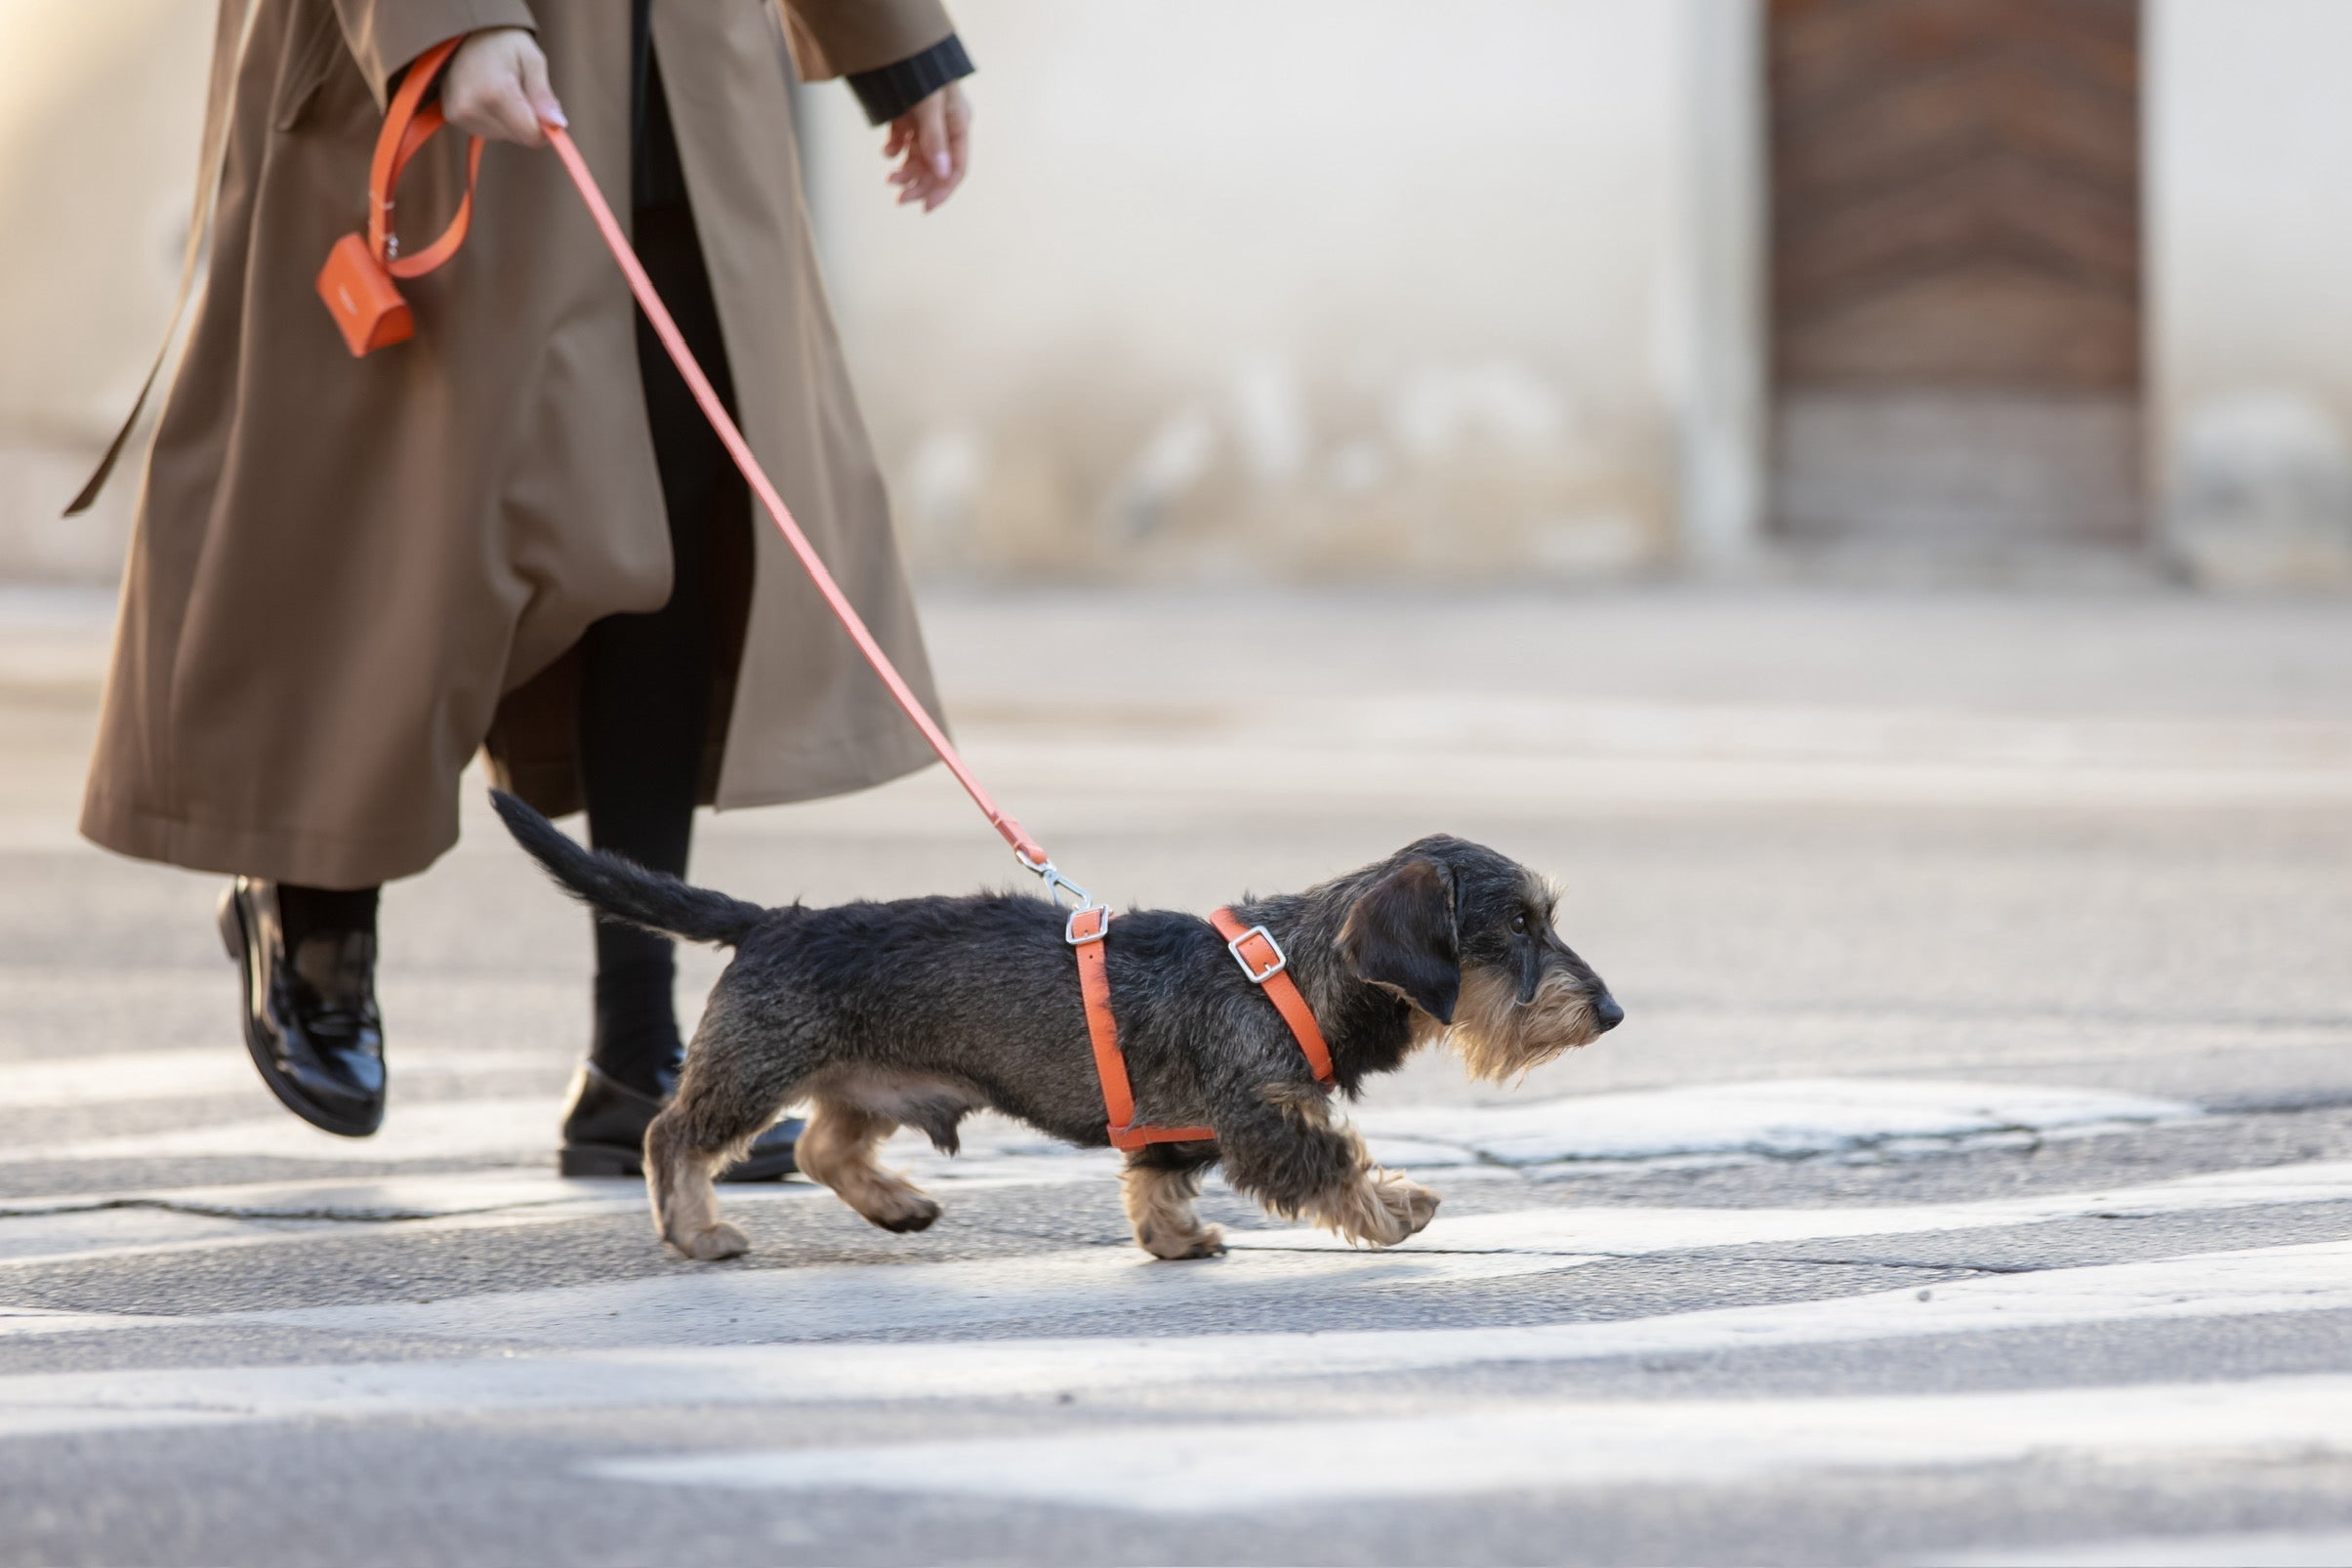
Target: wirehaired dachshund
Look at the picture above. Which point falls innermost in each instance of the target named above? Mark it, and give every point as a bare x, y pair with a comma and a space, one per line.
918, 1012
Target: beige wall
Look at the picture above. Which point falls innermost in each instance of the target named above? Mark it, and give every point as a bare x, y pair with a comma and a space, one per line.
1329, 288
2250, 136
100, 105
1313, 288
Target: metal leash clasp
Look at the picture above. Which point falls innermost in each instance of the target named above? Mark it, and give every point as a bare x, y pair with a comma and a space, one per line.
1055, 883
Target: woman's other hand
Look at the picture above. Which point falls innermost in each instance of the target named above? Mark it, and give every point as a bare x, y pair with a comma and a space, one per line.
497, 88
933, 143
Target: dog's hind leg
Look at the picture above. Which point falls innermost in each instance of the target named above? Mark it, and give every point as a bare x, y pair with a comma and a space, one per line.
677, 1178
1160, 1188
734, 1084
1291, 1158
838, 1149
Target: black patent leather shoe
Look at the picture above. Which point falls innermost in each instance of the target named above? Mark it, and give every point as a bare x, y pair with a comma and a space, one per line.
604, 1123
311, 1019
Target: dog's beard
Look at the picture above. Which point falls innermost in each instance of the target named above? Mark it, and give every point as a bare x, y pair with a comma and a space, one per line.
1499, 1038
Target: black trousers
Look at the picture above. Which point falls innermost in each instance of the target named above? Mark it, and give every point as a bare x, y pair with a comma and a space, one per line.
645, 681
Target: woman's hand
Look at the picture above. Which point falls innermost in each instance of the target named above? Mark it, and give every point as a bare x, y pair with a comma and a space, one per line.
934, 140
497, 88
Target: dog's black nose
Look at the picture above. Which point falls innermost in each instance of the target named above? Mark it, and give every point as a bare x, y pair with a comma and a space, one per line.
1606, 1013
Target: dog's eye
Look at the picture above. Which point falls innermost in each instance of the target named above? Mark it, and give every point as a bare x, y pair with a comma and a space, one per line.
1518, 923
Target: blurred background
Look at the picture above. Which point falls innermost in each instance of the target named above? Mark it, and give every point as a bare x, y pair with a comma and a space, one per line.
1497, 291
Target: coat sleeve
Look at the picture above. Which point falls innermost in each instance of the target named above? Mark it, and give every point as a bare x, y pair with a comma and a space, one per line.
843, 37
384, 35
892, 91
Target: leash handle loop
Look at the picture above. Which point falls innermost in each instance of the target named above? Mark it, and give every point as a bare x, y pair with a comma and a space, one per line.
1025, 849
408, 124
360, 282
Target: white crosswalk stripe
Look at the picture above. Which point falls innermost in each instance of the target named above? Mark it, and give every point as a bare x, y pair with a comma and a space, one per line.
1269, 1263
921, 1335
2204, 1286
1224, 1467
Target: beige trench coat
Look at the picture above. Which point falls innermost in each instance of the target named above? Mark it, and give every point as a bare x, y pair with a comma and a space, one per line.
348, 575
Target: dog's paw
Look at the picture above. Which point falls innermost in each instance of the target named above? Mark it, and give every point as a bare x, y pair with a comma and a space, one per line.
1381, 1210
905, 1212
1413, 1204
1174, 1245
721, 1240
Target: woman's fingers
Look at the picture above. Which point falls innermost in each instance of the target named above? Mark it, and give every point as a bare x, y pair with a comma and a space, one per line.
497, 87
545, 110
913, 176
956, 118
911, 141
930, 134
958, 132
932, 141
511, 107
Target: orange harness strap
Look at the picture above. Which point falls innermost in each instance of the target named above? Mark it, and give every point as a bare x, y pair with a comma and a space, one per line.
1087, 929
1261, 958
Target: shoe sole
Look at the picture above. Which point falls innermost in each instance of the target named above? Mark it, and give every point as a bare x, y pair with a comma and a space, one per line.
597, 1160
612, 1160
238, 942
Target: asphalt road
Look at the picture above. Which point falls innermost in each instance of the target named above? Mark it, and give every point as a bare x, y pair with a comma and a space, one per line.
1971, 1181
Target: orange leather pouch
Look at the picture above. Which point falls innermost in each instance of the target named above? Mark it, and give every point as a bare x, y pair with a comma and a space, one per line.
360, 282
363, 299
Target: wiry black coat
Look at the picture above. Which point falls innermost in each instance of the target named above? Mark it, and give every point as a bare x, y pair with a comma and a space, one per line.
918, 1011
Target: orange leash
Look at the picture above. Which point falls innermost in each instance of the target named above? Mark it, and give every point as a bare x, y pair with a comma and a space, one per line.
1027, 850
358, 286
1254, 947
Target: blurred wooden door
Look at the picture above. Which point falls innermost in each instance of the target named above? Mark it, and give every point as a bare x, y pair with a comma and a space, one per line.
1955, 292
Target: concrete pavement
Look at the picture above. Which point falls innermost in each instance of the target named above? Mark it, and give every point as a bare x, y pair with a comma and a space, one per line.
1969, 1182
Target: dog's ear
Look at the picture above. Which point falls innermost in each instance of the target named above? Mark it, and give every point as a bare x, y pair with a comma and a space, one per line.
1400, 935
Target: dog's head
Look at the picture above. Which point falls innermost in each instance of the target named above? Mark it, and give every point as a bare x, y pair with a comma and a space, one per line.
1464, 935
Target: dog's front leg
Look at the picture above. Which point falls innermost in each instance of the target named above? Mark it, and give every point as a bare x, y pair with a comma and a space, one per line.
838, 1149
1160, 1187
1301, 1164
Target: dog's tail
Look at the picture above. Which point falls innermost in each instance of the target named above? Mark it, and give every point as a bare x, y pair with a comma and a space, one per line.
625, 890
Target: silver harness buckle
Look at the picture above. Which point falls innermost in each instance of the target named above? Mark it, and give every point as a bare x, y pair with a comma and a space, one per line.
1259, 976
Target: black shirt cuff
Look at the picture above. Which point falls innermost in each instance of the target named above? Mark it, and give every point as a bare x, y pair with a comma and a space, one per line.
892, 90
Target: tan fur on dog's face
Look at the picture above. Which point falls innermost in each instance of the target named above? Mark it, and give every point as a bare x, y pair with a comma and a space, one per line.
1499, 1038
1482, 967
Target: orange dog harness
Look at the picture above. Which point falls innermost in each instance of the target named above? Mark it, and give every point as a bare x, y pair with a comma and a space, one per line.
1261, 958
